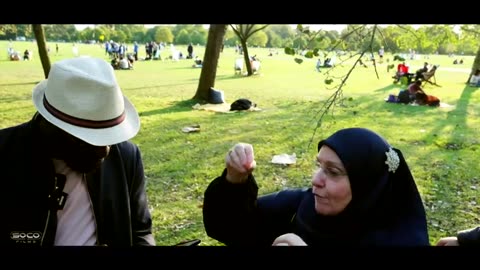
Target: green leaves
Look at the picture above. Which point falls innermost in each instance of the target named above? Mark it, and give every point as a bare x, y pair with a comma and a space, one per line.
289, 51
309, 54
304, 30
398, 57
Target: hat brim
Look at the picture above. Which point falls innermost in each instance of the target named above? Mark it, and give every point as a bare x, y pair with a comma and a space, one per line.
98, 137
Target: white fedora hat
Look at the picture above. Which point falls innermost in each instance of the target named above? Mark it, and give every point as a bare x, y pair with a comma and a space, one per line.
82, 97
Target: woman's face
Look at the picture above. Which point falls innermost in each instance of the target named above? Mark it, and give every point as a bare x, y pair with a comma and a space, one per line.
330, 182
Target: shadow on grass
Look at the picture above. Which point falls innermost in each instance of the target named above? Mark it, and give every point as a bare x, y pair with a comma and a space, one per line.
391, 87
232, 77
460, 112
154, 86
185, 67
15, 109
8, 99
441, 173
449, 179
180, 106
12, 84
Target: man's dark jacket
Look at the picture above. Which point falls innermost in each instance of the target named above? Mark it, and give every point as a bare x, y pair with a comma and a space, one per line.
28, 210
469, 237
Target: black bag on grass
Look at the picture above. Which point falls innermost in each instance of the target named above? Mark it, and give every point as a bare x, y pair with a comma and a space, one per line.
242, 104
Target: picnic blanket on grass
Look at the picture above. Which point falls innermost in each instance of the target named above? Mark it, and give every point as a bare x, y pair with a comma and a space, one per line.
221, 108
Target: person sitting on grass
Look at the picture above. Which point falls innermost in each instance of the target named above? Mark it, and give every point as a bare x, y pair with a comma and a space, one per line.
413, 88
123, 63
419, 72
475, 79
421, 98
402, 72
429, 74
197, 63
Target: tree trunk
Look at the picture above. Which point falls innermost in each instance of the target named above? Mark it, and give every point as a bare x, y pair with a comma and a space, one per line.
210, 61
246, 57
42, 48
476, 65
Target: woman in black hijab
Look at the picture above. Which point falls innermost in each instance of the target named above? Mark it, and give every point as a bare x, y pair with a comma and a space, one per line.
363, 194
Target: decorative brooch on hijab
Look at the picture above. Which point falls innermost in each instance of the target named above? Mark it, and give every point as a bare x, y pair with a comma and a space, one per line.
393, 161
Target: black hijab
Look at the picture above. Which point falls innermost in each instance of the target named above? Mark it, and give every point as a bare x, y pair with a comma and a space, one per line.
383, 189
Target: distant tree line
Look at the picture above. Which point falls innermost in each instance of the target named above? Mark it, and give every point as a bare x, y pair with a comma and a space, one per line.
428, 39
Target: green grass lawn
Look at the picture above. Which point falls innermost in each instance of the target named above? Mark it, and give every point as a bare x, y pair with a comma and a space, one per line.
441, 145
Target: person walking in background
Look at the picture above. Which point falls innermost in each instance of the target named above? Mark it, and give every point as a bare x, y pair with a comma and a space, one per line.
381, 52
190, 51
318, 66
75, 50
135, 50
26, 55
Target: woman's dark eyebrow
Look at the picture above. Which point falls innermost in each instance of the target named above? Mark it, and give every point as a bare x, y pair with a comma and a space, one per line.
335, 164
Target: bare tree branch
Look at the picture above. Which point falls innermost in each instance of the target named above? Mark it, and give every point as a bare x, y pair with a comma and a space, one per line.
247, 32
470, 30
354, 30
235, 29
371, 50
257, 29
328, 105
383, 38
336, 99
409, 31
342, 38
244, 32
249, 28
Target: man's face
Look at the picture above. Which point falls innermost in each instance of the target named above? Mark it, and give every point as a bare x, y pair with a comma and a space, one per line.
77, 154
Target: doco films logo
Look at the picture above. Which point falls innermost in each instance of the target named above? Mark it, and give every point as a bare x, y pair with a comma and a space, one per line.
26, 237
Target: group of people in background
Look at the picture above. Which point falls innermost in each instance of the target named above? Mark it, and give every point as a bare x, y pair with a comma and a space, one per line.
421, 74
457, 62
123, 62
122, 58
414, 94
16, 56
328, 63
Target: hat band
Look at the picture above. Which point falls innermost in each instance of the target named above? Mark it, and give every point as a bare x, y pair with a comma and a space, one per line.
82, 122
